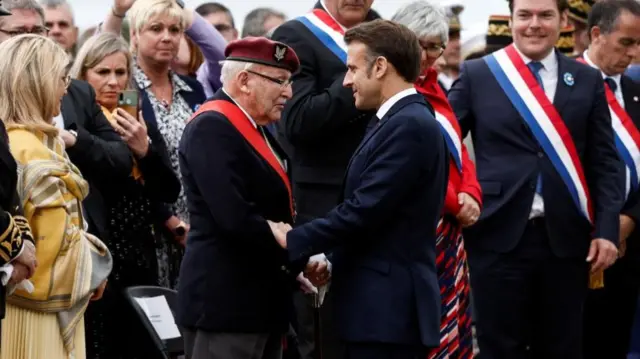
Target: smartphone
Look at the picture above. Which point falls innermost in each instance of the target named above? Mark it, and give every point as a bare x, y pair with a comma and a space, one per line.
128, 101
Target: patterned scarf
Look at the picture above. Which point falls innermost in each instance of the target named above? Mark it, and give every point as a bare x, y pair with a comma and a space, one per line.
73, 263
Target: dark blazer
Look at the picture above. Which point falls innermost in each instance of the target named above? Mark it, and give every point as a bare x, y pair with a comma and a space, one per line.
99, 152
234, 276
385, 284
509, 160
320, 126
194, 99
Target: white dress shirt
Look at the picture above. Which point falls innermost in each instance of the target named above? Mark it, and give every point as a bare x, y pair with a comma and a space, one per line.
616, 78
386, 106
549, 76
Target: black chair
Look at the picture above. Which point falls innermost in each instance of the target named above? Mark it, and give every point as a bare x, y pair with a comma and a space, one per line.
167, 349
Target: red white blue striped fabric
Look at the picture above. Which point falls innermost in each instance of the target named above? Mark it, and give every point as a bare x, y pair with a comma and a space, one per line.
327, 30
627, 138
529, 99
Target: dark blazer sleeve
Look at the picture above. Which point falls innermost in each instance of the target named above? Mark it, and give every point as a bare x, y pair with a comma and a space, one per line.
214, 155
395, 161
460, 99
160, 181
313, 113
99, 151
605, 169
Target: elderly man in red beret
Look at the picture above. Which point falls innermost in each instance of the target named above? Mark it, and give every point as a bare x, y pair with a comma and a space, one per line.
235, 291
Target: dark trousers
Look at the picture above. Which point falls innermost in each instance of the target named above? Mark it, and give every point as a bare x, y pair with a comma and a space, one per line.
528, 302
610, 311
383, 351
330, 346
206, 345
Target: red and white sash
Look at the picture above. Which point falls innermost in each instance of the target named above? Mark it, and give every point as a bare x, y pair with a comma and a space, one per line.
251, 134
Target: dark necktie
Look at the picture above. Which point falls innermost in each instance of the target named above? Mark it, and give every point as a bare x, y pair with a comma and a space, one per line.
373, 123
612, 84
535, 67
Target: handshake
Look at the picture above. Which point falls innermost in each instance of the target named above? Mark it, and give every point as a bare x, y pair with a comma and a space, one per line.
317, 271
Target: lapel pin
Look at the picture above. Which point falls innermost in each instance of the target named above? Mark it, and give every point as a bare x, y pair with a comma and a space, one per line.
635, 98
568, 79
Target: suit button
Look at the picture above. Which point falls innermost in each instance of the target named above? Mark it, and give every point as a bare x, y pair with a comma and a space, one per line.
540, 154
284, 268
532, 185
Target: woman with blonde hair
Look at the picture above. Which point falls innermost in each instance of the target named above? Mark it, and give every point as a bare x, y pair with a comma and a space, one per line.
73, 265
131, 202
168, 99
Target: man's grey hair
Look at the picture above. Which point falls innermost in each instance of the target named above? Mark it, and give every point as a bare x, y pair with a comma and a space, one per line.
54, 4
424, 19
254, 21
22, 5
231, 68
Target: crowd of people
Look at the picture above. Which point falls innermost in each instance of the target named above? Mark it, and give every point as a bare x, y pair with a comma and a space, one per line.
334, 185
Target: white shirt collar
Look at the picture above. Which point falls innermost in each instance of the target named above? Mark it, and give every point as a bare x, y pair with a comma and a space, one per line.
334, 19
617, 78
245, 112
550, 62
386, 106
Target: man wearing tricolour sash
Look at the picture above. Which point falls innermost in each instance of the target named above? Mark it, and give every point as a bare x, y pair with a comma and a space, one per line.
552, 183
609, 311
320, 129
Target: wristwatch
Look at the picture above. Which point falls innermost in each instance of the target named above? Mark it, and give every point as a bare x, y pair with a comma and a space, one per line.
74, 133
180, 3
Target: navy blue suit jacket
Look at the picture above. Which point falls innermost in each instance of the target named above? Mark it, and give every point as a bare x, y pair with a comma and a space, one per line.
384, 278
234, 278
509, 159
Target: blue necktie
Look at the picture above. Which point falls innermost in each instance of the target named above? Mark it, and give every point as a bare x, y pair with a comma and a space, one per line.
612, 84
535, 67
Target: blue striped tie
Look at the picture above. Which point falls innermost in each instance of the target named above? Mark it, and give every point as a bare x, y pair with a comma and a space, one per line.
535, 67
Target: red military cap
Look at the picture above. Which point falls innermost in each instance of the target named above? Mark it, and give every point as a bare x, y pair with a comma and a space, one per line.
263, 51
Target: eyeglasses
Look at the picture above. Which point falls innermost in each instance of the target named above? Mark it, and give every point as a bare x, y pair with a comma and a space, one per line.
282, 83
38, 30
433, 50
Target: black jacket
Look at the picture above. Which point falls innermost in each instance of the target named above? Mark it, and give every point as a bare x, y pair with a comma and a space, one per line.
320, 126
234, 277
99, 152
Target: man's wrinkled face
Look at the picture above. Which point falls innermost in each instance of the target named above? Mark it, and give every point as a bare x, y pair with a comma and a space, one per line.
62, 30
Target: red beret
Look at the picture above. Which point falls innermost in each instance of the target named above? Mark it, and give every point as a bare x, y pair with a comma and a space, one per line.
263, 51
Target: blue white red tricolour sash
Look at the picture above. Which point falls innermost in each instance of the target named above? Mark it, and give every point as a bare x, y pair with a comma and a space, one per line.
627, 137
448, 124
529, 99
327, 30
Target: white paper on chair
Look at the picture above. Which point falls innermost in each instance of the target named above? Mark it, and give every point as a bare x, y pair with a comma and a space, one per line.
160, 316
